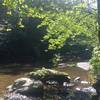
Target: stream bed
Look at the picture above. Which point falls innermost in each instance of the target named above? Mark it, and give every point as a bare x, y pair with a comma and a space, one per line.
8, 75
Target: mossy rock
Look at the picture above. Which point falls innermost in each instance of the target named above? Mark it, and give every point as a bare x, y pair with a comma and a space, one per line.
49, 74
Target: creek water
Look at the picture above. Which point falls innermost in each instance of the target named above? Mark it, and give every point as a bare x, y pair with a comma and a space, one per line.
8, 75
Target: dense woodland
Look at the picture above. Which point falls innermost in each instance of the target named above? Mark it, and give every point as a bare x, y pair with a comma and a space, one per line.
50, 31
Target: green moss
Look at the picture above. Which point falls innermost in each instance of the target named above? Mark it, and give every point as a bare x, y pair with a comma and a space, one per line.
46, 74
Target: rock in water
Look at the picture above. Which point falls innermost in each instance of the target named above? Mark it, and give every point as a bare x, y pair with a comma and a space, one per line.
62, 65
33, 86
77, 79
90, 90
50, 75
84, 82
65, 84
26, 86
84, 65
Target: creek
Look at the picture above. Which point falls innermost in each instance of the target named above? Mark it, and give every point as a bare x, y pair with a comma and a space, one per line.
8, 75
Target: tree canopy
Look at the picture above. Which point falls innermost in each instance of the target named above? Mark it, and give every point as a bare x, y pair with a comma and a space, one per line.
62, 19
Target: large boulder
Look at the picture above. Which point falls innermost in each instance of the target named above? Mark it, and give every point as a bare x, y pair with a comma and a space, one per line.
36, 84
26, 86
50, 75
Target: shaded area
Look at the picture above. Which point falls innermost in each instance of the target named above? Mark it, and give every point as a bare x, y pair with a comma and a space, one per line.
26, 45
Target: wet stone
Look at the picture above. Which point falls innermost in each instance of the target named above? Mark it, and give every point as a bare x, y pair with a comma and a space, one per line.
89, 90
26, 86
84, 65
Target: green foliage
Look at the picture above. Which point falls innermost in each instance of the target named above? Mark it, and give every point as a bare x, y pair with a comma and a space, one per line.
95, 61
56, 59
63, 18
44, 73
63, 26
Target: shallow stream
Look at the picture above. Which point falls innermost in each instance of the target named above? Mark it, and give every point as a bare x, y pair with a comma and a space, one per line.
8, 75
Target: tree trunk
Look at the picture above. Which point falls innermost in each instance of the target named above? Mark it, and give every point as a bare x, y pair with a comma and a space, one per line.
98, 5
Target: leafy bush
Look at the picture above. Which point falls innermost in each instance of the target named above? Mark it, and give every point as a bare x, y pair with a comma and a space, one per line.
95, 61
56, 59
